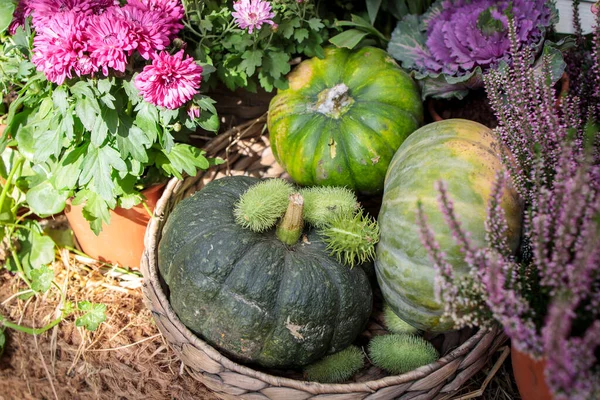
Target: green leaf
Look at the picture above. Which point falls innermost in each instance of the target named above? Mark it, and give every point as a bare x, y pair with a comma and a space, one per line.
348, 39
7, 7
82, 89
182, 158
132, 93
287, 27
98, 165
407, 42
132, 140
316, 24
251, 60
94, 315
7, 213
41, 278
111, 117
44, 199
61, 99
206, 103
277, 64
84, 109
37, 249
209, 122
301, 34
104, 85
95, 209
68, 169
47, 142
147, 120
99, 132
372, 9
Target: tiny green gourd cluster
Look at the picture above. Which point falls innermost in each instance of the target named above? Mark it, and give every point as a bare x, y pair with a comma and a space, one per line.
349, 233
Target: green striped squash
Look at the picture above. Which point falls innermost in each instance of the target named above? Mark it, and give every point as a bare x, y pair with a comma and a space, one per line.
343, 117
465, 155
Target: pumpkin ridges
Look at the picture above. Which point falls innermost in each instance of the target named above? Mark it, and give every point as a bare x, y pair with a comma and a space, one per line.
449, 151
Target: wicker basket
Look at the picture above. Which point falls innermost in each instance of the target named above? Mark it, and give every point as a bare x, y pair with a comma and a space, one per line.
247, 151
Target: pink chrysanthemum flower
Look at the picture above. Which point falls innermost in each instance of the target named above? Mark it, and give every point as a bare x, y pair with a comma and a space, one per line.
44, 10
110, 42
149, 28
22, 11
171, 10
59, 44
170, 81
252, 14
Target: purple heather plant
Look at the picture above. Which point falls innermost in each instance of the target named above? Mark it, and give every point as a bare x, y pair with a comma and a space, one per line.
456, 41
547, 295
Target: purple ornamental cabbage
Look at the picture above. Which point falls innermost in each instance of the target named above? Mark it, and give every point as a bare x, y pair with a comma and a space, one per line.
456, 41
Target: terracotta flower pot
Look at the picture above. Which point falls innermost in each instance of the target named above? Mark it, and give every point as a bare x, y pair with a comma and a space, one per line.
121, 241
529, 375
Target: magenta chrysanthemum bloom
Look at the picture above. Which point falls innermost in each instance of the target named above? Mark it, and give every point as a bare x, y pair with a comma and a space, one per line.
170, 81
44, 10
252, 14
171, 10
149, 28
22, 11
59, 44
110, 42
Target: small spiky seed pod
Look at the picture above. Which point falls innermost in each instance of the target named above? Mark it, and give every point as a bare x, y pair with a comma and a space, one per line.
400, 353
394, 323
352, 240
322, 204
263, 204
337, 367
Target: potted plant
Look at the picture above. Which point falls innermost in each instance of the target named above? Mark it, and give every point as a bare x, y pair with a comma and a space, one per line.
547, 294
252, 43
108, 111
451, 46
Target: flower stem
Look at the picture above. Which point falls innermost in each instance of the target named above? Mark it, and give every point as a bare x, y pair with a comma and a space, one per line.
289, 229
26, 329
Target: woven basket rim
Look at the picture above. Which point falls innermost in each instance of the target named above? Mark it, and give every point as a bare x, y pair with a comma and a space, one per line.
149, 266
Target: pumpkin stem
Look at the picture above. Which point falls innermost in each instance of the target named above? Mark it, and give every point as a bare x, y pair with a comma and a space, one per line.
334, 101
289, 229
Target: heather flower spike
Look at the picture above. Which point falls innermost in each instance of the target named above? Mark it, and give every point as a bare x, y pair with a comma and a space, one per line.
452, 45
252, 14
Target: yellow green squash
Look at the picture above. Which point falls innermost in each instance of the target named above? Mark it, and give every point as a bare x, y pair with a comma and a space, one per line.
465, 155
343, 117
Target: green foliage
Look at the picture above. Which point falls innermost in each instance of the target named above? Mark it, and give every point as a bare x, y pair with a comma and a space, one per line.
239, 59
93, 138
41, 279
261, 206
2, 341
323, 204
7, 7
94, 315
400, 353
352, 240
394, 323
336, 367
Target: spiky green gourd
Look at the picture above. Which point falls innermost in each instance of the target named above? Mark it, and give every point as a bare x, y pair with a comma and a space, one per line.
261, 206
394, 323
337, 367
324, 204
400, 353
352, 240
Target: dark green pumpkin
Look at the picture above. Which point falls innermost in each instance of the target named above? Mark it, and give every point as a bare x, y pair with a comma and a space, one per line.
249, 294
343, 117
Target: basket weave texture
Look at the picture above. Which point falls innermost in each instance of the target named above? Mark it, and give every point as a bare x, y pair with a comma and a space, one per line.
247, 151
